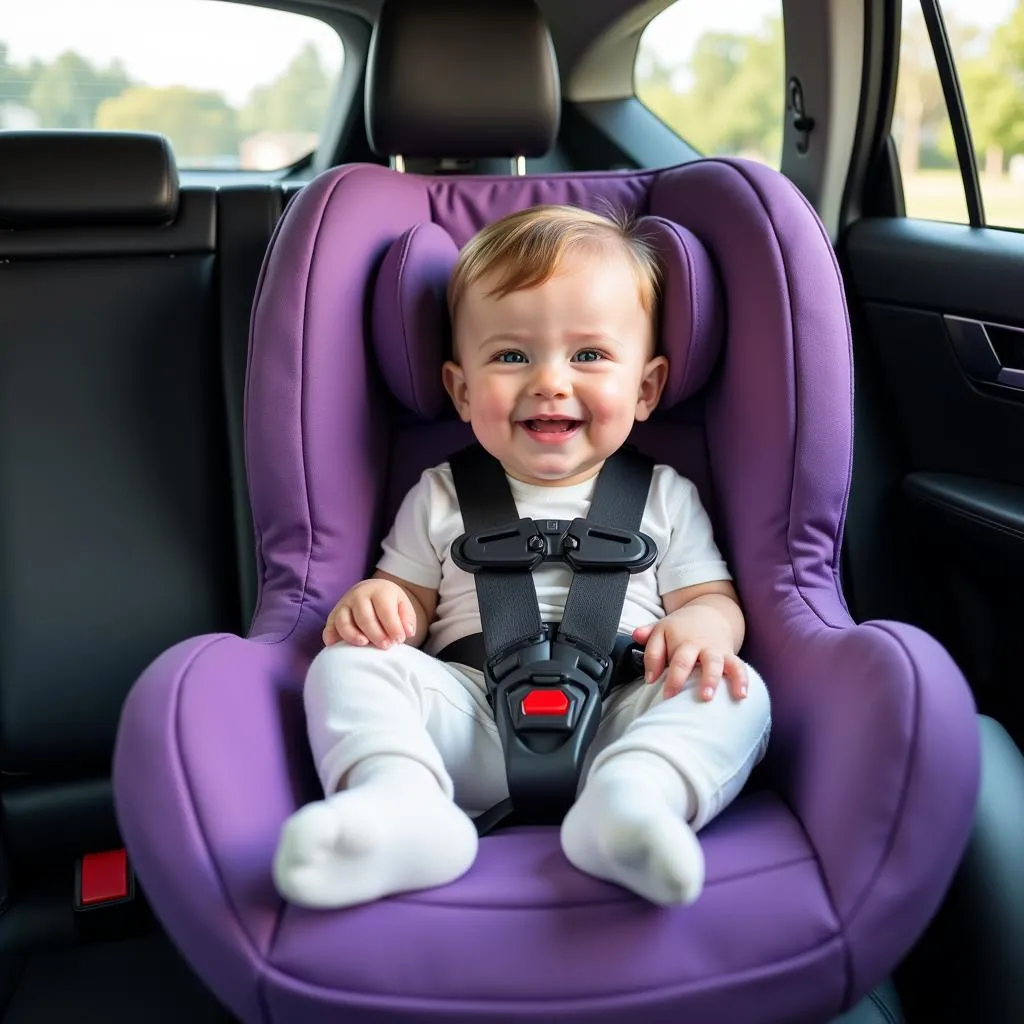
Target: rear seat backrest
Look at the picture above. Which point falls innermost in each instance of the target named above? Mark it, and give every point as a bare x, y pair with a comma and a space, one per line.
117, 512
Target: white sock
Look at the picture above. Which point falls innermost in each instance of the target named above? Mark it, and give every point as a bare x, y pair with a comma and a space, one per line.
629, 826
391, 830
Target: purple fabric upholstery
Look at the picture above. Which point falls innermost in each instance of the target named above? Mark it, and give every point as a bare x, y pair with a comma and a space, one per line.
691, 323
410, 316
816, 885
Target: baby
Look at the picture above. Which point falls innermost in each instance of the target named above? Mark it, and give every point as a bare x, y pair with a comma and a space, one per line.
554, 314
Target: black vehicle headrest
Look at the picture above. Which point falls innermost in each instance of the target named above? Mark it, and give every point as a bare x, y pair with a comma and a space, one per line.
65, 178
461, 78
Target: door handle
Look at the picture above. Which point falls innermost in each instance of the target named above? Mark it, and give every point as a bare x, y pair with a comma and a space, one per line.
981, 359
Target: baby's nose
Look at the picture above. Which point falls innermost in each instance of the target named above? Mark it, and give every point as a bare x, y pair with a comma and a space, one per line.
551, 378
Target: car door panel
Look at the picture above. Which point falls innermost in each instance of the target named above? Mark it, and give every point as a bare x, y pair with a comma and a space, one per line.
938, 318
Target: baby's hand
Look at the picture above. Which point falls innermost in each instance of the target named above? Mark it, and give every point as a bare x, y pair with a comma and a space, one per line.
376, 612
672, 645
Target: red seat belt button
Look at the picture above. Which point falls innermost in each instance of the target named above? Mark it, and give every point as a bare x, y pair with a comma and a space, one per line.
545, 702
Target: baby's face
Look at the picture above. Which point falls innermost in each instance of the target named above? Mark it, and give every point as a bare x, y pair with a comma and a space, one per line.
553, 378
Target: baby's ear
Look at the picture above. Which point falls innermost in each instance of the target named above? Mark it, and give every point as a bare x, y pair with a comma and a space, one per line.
455, 384
652, 384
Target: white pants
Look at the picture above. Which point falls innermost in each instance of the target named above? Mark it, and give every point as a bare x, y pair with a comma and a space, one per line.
362, 701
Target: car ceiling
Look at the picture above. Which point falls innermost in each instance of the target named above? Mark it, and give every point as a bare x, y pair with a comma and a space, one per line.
574, 26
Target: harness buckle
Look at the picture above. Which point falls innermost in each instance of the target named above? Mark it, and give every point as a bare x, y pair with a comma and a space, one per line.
546, 695
588, 546
513, 546
523, 545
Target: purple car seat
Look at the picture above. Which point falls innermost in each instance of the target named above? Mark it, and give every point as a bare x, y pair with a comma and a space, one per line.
821, 876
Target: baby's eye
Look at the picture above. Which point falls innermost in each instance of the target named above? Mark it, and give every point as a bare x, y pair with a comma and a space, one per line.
510, 357
588, 355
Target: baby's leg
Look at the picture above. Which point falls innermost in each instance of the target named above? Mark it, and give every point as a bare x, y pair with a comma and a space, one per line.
388, 824
662, 769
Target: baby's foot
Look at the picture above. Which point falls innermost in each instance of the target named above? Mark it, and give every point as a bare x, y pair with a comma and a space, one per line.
633, 836
372, 841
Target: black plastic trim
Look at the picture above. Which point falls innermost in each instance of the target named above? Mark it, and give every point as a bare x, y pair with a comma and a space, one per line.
869, 164
946, 268
969, 504
880, 1006
946, 66
638, 137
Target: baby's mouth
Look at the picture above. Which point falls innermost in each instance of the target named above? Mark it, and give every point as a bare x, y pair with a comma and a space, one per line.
551, 426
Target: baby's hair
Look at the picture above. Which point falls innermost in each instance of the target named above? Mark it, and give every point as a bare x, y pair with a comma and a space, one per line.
528, 247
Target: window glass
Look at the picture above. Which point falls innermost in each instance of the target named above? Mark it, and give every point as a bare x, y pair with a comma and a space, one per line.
987, 41
715, 74
933, 187
231, 86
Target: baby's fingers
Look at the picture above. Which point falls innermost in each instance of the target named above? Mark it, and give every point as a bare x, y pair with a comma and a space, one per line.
683, 659
364, 615
330, 633
654, 656
389, 611
712, 664
408, 615
735, 673
347, 628
642, 633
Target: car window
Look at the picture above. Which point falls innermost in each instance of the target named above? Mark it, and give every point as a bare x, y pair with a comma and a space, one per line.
986, 39
232, 86
715, 74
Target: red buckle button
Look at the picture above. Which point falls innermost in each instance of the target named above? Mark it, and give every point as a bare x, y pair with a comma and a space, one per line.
104, 877
545, 702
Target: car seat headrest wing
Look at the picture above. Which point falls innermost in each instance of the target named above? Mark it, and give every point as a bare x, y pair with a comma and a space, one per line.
691, 322
410, 317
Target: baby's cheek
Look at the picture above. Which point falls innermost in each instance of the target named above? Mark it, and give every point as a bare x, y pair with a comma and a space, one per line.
614, 412
612, 399
493, 405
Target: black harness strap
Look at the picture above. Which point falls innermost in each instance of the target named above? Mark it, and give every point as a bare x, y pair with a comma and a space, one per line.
627, 657
593, 606
573, 662
508, 600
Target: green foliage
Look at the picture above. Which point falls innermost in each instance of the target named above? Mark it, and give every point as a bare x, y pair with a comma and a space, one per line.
67, 93
202, 126
199, 124
729, 97
15, 84
296, 101
993, 86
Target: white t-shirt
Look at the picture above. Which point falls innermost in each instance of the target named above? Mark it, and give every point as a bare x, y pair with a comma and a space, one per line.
418, 549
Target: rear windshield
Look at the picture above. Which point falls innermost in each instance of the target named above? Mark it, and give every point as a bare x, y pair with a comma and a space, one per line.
232, 86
